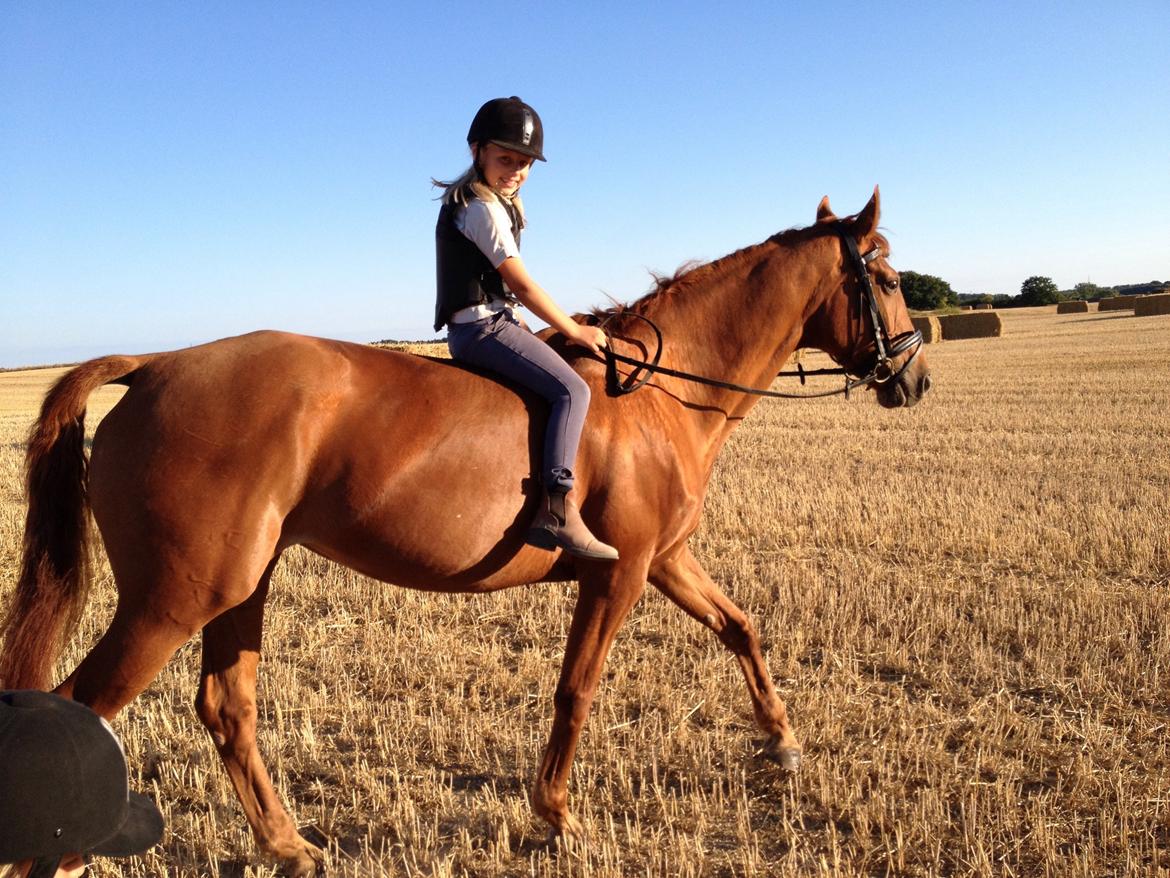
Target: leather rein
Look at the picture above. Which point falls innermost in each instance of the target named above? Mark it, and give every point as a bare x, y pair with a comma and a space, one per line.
883, 368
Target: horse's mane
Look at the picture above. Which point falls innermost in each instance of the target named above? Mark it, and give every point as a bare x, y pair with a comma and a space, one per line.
693, 274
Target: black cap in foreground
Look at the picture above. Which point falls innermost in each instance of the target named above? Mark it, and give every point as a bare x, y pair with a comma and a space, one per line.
63, 783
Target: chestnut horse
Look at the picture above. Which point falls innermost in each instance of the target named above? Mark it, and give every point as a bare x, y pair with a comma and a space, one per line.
219, 457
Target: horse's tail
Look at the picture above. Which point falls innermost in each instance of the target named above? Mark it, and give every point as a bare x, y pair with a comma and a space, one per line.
54, 573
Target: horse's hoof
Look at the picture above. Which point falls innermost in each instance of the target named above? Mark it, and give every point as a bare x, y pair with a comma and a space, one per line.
787, 755
790, 758
570, 835
308, 862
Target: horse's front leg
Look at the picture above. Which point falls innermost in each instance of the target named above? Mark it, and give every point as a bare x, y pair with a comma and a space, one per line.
682, 579
607, 592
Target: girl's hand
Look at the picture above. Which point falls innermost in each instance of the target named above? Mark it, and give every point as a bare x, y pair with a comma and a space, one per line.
588, 337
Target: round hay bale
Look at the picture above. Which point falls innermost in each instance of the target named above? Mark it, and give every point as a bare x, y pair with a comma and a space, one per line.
983, 306
1074, 307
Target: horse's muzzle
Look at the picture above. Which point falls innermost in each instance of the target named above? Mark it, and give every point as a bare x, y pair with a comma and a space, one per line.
906, 390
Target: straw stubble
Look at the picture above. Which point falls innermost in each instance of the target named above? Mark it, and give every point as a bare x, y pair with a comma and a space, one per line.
970, 632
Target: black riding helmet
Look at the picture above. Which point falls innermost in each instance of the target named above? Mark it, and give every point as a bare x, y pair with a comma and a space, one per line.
510, 123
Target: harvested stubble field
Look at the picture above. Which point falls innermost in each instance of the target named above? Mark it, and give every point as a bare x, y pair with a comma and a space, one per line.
964, 604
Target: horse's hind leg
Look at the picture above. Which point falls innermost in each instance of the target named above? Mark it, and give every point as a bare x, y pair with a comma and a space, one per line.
139, 641
684, 581
227, 706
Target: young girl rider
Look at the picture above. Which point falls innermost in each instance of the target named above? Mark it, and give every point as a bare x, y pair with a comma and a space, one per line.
481, 279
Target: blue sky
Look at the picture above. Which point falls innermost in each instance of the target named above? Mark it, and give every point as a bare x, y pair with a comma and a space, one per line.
172, 173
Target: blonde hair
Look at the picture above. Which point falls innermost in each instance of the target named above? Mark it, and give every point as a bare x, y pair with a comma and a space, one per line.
470, 185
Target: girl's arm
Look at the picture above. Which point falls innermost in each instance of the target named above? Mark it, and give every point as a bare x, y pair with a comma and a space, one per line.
533, 297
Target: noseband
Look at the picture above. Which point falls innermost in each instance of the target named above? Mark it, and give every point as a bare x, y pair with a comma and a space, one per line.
887, 347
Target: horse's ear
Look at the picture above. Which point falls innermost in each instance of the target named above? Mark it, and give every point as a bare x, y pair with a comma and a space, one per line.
867, 221
824, 212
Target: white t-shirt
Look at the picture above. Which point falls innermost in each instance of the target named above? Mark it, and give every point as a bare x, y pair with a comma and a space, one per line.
487, 225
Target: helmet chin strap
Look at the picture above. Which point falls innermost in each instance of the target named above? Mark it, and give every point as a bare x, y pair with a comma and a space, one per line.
499, 192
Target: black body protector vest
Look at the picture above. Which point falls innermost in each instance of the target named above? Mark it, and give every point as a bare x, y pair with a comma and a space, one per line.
465, 276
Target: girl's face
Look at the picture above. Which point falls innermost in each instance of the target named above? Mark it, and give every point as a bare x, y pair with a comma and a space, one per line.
504, 169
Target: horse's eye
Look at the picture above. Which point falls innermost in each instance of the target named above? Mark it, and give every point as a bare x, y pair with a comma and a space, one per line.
891, 285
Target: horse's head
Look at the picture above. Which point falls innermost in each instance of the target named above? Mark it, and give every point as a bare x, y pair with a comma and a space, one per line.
862, 322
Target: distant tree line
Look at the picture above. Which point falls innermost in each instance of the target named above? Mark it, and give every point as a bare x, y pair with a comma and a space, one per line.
925, 292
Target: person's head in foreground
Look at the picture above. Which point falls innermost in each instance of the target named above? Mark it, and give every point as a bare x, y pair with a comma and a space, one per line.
64, 790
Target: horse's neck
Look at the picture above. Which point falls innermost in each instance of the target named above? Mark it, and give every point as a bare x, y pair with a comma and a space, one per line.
738, 324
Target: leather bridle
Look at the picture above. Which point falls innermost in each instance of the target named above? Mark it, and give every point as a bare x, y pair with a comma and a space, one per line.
882, 371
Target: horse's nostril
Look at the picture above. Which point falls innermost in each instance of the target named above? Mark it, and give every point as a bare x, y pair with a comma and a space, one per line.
924, 385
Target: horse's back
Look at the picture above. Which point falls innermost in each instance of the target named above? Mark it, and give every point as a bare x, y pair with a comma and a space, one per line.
263, 389
376, 458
